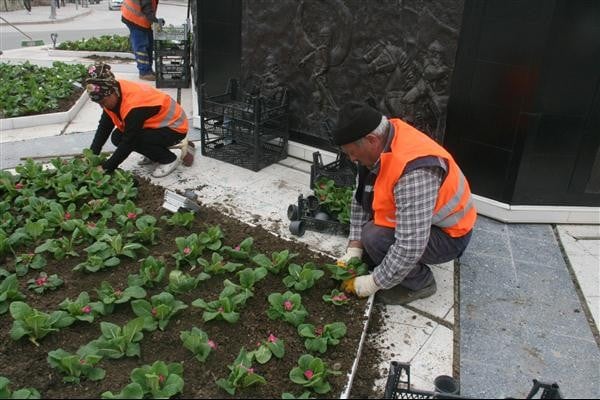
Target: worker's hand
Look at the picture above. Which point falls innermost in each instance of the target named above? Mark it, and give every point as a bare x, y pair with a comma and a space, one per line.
362, 286
351, 252
99, 168
161, 21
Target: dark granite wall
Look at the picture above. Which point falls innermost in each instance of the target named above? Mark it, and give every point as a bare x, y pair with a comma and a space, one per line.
398, 55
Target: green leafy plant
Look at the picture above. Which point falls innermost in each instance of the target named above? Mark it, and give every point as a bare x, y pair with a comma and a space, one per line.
342, 271
110, 296
336, 297
82, 308
152, 272
116, 341
272, 346
9, 291
181, 282
319, 337
96, 207
24, 393
146, 229
217, 265
302, 277
44, 282
304, 395
61, 247
287, 306
74, 367
278, 260
211, 238
242, 374
159, 311
157, 381
35, 324
189, 250
183, 219
241, 251
28, 260
225, 307
111, 43
198, 342
312, 373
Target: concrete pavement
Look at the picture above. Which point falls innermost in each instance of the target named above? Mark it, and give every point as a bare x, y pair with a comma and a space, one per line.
528, 294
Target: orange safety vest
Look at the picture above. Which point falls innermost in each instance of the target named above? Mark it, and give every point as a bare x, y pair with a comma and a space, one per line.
454, 211
131, 10
134, 95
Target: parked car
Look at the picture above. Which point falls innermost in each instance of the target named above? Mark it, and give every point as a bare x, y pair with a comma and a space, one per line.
114, 4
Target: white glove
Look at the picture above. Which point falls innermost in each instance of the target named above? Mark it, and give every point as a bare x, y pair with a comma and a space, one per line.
364, 286
351, 252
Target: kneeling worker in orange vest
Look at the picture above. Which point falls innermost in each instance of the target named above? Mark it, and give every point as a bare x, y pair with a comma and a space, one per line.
412, 205
145, 120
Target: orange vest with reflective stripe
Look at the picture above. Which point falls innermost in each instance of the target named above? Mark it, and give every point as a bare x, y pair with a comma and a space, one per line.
454, 211
131, 10
134, 95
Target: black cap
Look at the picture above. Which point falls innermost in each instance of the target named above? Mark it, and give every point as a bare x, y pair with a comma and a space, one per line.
355, 120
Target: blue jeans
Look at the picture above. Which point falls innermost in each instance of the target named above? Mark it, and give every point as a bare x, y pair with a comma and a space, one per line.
142, 43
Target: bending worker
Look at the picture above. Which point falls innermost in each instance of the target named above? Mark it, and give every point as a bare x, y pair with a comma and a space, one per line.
412, 205
145, 120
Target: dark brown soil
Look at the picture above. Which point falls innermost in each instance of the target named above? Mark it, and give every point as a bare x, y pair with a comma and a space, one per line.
26, 365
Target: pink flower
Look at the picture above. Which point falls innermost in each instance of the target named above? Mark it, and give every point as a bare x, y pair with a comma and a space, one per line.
153, 311
118, 293
67, 215
340, 297
82, 361
237, 248
87, 309
131, 215
308, 374
187, 250
288, 305
41, 281
319, 330
250, 371
258, 344
272, 338
18, 185
212, 344
161, 378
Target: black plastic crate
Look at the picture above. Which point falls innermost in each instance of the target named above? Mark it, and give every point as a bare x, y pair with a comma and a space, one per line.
172, 69
342, 171
398, 386
244, 130
309, 214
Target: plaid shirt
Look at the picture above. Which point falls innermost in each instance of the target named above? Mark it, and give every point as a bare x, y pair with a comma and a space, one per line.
417, 192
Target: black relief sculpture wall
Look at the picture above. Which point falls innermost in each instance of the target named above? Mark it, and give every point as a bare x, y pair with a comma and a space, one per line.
396, 54
524, 110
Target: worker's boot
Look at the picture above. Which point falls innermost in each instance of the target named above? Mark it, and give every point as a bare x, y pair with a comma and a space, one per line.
399, 295
150, 76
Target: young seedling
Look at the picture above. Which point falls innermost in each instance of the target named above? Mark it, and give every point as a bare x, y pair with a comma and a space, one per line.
28, 260
242, 374
181, 282
198, 342
217, 265
336, 298
74, 367
312, 373
183, 219
157, 381
44, 282
152, 272
276, 263
272, 346
82, 309
24, 393
319, 337
287, 306
159, 311
35, 324
110, 296
343, 271
9, 292
240, 252
116, 341
303, 277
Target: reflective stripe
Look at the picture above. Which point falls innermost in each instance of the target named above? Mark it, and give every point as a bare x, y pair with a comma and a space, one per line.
452, 203
180, 121
456, 217
170, 114
368, 188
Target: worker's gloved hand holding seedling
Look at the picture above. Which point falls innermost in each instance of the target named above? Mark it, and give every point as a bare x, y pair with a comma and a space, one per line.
351, 252
362, 286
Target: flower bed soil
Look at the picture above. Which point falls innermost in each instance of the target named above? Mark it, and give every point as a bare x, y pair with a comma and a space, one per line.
26, 366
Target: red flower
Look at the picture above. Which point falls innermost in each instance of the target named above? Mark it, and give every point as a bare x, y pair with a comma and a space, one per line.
272, 338
308, 374
187, 250
41, 281
87, 309
18, 185
212, 344
131, 215
288, 305
319, 330
153, 311
161, 378
67, 215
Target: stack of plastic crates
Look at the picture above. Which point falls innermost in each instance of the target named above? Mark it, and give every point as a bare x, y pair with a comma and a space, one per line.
244, 130
172, 56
